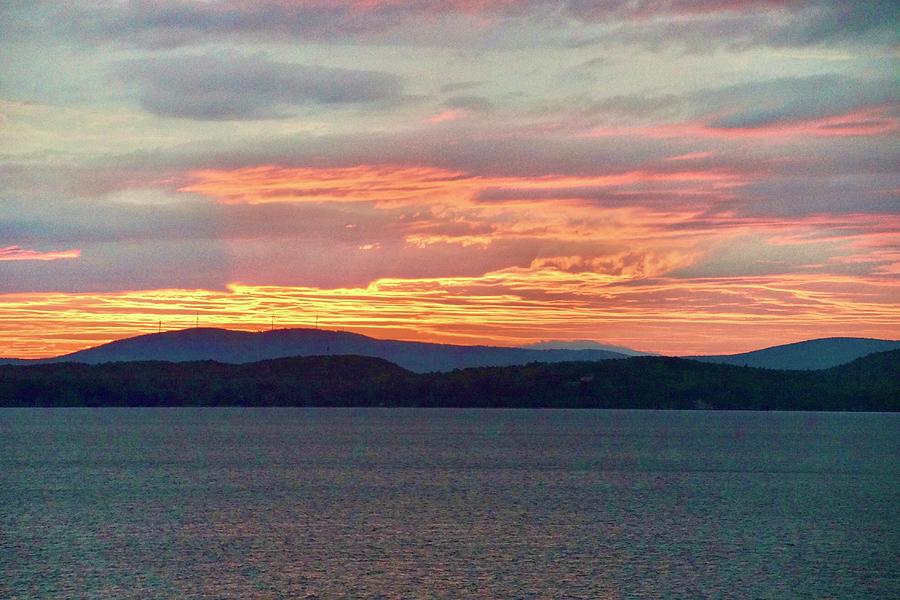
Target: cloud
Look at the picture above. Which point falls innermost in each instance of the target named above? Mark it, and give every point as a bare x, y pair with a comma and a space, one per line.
828, 104
460, 86
738, 25
233, 86
626, 264
635, 105
389, 184
762, 103
148, 264
835, 20
362, 183
469, 103
792, 195
517, 305
11, 253
449, 200
697, 24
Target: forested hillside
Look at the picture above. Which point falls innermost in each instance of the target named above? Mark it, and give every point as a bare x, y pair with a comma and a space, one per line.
869, 383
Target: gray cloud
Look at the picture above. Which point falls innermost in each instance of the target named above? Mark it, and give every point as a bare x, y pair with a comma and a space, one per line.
701, 23
472, 103
237, 86
180, 217
795, 196
754, 104
460, 86
151, 264
840, 20
793, 24
635, 105
796, 98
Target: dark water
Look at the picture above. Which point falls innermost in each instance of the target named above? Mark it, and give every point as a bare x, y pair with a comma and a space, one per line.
391, 503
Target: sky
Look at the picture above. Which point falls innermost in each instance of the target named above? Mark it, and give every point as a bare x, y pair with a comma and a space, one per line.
707, 176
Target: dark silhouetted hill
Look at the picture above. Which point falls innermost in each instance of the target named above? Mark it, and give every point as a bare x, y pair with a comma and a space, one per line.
222, 345
812, 354
871, 383
226, 346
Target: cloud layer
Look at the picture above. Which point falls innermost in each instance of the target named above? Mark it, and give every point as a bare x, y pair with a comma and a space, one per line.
677, 176
736, 24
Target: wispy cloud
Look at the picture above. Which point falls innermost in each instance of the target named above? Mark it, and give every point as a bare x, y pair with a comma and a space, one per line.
684, 22
11, 253
394, 183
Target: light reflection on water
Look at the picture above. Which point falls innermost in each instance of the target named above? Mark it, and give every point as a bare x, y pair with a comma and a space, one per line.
426, 503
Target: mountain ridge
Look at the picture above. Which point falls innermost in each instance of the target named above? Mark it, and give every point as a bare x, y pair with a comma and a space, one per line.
229, 346
237, 347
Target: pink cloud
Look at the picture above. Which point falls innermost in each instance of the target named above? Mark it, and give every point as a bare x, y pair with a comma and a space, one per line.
18, 253
451, 114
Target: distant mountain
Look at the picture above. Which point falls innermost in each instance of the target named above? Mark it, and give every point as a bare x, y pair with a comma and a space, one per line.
226, 346
871, 383
812, 354
583, 345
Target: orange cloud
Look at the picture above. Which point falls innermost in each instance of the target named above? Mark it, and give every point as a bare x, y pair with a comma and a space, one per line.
639, 223
365, 183
397, 183
438, 206
18, 253
506, 307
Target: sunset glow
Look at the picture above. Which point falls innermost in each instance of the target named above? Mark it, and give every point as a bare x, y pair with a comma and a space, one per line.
674, 177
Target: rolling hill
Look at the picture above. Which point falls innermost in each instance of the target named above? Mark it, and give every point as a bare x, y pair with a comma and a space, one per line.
812, 354
227, 346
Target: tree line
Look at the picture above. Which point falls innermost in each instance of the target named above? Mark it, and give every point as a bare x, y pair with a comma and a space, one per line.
871, 383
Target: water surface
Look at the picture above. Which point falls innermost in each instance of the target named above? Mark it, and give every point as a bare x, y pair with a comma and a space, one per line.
429, 503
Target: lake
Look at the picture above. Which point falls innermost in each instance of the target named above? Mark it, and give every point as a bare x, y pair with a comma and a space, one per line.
447, 503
